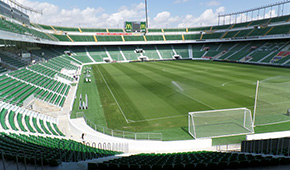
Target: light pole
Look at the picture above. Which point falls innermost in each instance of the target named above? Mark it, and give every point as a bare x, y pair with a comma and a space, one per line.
146, 12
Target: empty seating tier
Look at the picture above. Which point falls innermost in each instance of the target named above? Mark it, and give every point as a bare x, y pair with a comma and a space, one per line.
190, 160
46, 150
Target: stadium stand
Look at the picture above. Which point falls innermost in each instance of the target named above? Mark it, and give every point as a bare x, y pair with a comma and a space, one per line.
246, 30
97, 53
11, 60
33, 137
255, 29
275, 146
191, 160
40, 150
263, 52
15, 118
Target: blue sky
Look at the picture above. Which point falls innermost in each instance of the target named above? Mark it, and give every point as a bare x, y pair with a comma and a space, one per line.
113, 13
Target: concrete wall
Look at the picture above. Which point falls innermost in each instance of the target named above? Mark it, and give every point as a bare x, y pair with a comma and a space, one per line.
79, 126
268, 135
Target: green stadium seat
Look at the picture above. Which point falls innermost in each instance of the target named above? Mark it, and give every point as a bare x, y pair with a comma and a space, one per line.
3, 119
11, 120
51, 155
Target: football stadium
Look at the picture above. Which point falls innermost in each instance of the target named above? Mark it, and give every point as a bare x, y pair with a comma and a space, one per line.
136, 96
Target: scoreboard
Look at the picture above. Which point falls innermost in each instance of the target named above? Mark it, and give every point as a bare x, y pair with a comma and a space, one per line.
135, 26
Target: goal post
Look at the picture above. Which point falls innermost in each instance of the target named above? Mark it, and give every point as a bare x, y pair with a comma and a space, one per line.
218, 123
191, 126
272, 101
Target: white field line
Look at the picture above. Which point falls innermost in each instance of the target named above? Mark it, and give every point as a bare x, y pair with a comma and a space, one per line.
274, 77
196, 100
273, 123
235, 82
177, 85
160, 118
170, 117
113, 95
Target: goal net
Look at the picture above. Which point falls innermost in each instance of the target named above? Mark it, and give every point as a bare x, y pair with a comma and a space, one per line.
272, 101
217, 123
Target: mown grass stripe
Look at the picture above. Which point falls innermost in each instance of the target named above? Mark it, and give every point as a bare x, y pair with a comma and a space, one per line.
203, 84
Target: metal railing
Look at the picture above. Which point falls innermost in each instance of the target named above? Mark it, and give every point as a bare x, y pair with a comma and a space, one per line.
120, 133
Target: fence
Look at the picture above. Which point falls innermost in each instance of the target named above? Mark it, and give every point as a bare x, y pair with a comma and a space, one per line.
119, 133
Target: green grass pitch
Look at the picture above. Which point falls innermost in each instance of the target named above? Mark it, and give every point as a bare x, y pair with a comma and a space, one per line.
157, 96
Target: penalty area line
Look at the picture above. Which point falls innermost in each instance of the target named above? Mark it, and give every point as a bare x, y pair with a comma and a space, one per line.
113, 95
153, 119
197, 100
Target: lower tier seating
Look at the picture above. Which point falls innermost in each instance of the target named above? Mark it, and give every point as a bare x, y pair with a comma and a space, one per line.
264, 52
17, 119
46, 150
278, 146
190, 160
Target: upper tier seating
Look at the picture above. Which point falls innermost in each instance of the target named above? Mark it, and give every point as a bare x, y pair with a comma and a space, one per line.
279, 19
22, 29
250, 29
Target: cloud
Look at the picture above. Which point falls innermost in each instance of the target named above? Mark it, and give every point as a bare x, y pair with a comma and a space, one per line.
99, 18
207, 18
166, 20
88, 17
163, 19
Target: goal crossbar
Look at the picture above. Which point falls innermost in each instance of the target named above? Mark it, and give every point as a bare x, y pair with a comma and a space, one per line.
208, 111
